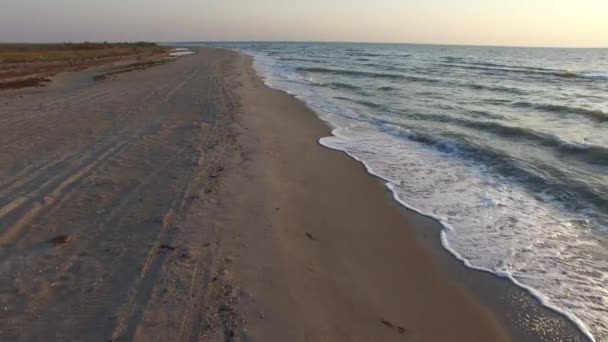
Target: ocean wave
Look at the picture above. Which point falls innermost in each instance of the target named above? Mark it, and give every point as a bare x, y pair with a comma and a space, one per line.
477, 86
299, 59
596, 76
497, 102
595, 114
364, 54
420, 79
485, 114
370, 104
453, 59
510, 66
387, 67
373, 65
345, 72
546, 180
407, 77
339, 85
362, 73
528, 71
592, 154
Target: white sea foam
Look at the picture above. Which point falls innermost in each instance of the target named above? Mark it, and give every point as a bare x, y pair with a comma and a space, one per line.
490, 235
180, 52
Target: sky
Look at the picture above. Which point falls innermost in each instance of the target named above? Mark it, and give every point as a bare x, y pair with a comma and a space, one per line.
560, 23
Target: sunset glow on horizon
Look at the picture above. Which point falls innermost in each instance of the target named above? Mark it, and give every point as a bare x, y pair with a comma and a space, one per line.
559, 23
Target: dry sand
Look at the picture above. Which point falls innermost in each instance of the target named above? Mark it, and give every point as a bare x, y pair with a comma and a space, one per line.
189, 202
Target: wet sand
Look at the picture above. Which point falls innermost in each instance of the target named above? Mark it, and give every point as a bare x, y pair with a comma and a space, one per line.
191, 202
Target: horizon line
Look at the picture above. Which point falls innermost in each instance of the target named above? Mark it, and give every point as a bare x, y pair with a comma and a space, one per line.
385, 43
315, 42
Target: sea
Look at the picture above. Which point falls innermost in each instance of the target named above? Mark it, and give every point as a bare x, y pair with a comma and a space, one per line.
506, 147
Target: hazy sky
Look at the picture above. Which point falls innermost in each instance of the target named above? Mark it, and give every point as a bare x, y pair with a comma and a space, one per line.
491, 22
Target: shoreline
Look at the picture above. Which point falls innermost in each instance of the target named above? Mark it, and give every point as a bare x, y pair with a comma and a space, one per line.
190, 201
562, 321
519, 328
344, 264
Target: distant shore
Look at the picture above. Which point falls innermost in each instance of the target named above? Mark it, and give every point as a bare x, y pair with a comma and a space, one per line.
190, 201
35, 65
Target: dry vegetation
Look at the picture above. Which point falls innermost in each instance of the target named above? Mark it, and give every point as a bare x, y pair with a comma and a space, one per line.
20, 64
28, 53
131, 67
24, 82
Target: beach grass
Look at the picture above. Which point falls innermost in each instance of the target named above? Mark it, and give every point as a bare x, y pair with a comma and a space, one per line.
34, 65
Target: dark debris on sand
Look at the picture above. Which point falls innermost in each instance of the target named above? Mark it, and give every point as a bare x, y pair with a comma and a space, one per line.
399, 329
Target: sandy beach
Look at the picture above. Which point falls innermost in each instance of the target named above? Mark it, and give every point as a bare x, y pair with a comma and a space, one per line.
190, 202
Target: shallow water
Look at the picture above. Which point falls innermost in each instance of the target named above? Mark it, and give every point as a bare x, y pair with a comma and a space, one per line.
507, 147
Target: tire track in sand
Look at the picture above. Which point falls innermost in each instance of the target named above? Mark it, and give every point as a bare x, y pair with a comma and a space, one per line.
132, 312
90, 281
170, 88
